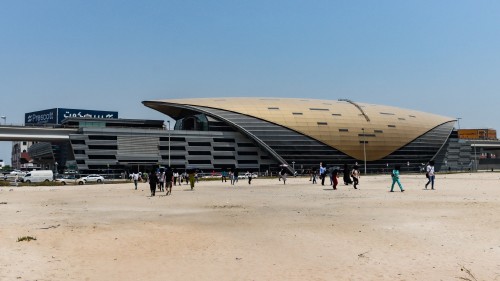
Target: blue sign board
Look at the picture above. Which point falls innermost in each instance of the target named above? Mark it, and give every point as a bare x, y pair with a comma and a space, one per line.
83, 113
48, 116
56, 115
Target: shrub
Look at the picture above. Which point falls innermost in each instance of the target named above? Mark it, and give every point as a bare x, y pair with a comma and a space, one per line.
4, 183
25, 238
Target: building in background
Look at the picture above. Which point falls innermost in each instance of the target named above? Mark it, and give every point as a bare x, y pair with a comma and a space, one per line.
259, 135
301, 133
477, 134
22, 160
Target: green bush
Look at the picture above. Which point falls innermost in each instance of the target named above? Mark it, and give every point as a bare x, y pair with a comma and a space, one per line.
25, 238
4, 183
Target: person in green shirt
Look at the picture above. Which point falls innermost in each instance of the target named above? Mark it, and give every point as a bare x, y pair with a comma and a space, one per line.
395, 178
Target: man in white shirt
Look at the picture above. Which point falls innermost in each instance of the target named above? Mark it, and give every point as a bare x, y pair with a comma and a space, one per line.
430, 174
135, 177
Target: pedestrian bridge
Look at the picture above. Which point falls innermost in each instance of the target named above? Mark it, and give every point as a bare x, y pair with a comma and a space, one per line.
29, 133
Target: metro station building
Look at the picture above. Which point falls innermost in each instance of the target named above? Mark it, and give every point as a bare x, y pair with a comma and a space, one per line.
257, 134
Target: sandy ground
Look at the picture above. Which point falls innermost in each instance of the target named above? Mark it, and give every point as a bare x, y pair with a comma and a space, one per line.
266, 231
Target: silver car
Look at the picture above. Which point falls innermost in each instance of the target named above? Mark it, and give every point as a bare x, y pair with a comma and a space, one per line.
70, 179
93, 178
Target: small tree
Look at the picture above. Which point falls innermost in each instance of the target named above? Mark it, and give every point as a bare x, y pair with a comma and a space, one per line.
6, 168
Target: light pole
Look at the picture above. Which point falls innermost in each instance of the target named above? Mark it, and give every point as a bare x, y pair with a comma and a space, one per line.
364, 147
475, 157
168, 143
458, 122
4, 119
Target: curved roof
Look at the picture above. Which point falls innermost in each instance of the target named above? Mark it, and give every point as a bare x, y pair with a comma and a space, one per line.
343, 124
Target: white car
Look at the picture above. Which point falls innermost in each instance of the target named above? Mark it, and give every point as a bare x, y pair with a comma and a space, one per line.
70, 179
244, 176
18, 172
93, 178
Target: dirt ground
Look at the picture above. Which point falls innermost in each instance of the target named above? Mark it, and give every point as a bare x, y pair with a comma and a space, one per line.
262, 231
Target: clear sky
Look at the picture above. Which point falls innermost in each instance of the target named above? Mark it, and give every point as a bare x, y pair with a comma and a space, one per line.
441, 57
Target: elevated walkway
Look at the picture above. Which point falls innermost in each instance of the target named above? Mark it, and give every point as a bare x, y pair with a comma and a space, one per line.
28, 133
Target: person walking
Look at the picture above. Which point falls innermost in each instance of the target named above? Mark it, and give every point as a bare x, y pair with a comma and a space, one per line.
430, 174
135, 178
249, 176
153, 181
235, 176
176, 176
335, 176
224, 175
283, 175
169, 177
355, 176
161, 180
313, 175
191, 175
395, 178
330, 174
322, 173
347, 175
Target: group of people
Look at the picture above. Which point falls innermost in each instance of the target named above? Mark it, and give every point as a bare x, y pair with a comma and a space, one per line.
350, 175
233, 176
163, 179
429, 173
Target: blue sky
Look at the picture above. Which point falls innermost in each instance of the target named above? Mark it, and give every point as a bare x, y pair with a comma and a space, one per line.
434, 56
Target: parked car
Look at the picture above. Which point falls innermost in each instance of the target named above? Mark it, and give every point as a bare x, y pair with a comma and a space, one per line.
18, 172
244, 176
93, 178
70, 179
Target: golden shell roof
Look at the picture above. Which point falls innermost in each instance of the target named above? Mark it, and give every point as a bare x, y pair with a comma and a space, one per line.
343, 124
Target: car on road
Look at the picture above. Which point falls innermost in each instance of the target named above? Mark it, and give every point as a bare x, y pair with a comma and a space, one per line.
93, 178
70, 179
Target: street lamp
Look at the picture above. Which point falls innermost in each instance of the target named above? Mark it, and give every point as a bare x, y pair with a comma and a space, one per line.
4, 119
168, 143
364, 147
458, 122
475, 157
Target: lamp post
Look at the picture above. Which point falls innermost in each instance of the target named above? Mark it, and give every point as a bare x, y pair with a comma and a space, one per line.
475, 157
4, 119
458, 122
168, 143
364, 147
